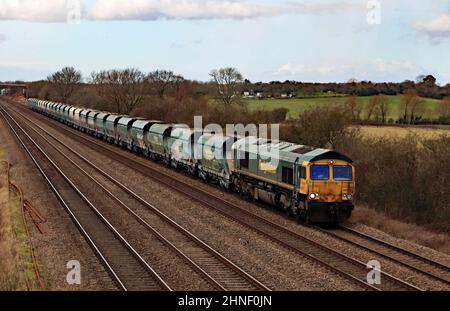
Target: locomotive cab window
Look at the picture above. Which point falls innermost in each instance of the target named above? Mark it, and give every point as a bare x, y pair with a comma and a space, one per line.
342, 173
320, 172
288, 175
303, 172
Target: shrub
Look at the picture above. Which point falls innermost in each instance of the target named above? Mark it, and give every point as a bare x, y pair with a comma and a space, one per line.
319, 127
404, 178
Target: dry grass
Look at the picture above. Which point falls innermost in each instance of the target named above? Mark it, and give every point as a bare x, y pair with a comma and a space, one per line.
403, 132
402, 230
16, 269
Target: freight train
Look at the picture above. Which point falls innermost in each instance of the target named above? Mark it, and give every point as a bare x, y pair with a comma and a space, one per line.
316, 185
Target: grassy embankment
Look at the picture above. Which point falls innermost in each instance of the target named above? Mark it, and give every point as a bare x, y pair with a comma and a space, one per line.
16, 267
298, 105
401, 229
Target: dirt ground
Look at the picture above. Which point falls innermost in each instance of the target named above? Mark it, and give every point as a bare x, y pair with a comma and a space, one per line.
61, 241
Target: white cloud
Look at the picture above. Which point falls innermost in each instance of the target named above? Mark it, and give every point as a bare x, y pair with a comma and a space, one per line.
34, 10
438, 29
204, 9
26, 65
324, 69
392, 66
59, 10
177, 9
361, 70
293, 69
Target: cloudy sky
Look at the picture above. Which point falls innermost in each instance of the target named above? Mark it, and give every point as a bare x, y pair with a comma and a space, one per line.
320, 40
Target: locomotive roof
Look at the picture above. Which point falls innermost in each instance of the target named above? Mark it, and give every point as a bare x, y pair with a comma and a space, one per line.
286, 151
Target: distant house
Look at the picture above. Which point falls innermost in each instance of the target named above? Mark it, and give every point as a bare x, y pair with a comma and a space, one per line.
287, 94
248, 94
259, 94
253, 94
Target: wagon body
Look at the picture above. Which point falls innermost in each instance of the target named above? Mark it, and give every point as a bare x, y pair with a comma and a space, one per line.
110, 126
139, 134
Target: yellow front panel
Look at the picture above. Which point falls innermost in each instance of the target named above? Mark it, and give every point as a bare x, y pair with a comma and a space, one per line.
329, 190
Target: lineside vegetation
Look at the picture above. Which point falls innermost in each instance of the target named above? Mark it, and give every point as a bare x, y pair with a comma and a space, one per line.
16, 267
403, 176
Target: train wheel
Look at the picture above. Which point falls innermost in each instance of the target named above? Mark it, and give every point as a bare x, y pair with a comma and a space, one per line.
192, 170
303, 212
203, 176
285, 204
243, 190
251, 193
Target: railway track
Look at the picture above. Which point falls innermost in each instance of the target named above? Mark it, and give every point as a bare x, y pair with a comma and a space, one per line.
213, 267
426, 266
336, 262
126, 266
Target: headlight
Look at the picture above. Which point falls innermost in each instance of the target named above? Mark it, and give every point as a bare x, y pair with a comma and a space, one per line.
313, 196
348, 196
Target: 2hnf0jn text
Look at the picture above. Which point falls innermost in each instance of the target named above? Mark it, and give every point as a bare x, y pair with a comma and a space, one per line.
226, 301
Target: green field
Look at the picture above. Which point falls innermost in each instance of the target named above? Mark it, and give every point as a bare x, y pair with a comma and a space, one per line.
298, 105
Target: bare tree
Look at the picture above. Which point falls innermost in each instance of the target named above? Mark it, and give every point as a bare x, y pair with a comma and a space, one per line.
354, 107
227, 82
444, 108
417, 110
124, 89
163, 79
178, 83
383, 106
65, 82
372, 106
412, 107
